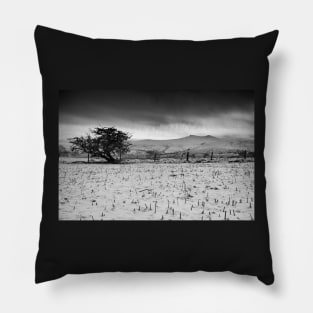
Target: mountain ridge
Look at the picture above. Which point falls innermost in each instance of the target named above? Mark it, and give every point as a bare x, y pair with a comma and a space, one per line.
193, 143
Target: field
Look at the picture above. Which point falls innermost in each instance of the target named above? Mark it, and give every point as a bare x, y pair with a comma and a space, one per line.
148, 191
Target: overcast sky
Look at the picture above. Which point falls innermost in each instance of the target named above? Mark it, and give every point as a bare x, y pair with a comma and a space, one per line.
157, 115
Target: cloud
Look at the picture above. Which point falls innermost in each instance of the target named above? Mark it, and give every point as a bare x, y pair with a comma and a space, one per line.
154, 112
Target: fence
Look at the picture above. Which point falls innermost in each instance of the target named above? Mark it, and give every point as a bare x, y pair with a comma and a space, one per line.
189, 156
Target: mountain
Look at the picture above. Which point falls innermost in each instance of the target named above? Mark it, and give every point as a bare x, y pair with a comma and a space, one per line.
196, 144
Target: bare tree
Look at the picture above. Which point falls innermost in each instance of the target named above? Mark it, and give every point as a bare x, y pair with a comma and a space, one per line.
83, 144
104, 142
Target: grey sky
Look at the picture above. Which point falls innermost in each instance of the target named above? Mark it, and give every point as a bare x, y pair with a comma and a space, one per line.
156, 114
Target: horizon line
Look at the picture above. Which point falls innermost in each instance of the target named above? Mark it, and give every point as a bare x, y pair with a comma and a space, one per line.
202, 136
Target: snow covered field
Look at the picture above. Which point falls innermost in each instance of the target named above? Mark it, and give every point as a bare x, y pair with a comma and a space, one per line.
142, 191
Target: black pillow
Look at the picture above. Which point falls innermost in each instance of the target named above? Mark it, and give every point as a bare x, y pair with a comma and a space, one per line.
154, 155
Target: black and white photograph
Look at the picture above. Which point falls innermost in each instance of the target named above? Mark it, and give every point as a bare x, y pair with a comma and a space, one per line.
156, 155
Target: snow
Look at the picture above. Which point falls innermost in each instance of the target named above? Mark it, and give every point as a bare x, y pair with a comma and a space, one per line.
148, 191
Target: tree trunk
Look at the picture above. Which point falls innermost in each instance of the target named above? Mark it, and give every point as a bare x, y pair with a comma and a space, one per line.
109, 158
88, 157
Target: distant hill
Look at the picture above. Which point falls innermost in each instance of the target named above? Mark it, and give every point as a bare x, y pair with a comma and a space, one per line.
67, 153
195, 144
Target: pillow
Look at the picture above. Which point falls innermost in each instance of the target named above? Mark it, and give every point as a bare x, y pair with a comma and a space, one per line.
154, 155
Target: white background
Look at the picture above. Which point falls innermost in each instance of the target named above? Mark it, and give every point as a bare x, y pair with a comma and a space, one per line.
288, 156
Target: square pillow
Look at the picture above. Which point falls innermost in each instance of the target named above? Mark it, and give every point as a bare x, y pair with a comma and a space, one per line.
154, 155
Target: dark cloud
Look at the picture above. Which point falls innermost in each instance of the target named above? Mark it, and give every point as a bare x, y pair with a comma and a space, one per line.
153, 109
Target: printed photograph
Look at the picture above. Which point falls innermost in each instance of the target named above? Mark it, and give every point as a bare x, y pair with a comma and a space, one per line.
156, 155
